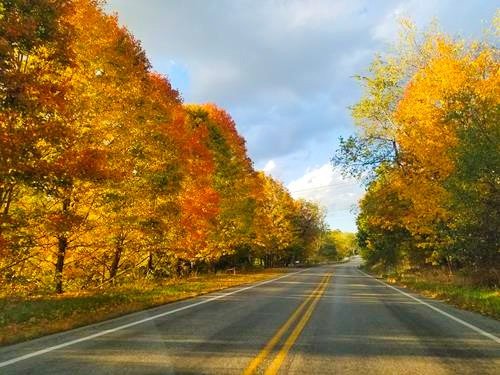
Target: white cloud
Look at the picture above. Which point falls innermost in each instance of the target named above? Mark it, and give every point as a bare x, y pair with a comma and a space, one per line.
328, 187
269, 167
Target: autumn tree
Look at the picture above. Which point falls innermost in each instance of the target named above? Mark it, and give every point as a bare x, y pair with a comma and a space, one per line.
234, 179
308, 221
106, 176
34, 60
273, 226
34, 57
433, 201
446, 126
376, 144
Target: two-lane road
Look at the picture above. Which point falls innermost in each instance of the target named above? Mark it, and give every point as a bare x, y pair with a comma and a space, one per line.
324, 320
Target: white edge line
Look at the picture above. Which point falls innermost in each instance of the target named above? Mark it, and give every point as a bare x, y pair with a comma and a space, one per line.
458, 320
124, 326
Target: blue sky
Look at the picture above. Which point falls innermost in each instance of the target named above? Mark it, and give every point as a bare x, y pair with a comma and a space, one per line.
283, 69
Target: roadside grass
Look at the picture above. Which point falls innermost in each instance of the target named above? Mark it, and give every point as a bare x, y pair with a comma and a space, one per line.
455, 290
24, 318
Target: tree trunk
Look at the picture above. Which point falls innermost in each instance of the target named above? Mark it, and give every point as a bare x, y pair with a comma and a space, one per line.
450, 267
6, 195
62, 246
116, 257
150, 263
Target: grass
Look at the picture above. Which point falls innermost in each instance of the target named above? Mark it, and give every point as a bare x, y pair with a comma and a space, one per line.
452, 289
24, 318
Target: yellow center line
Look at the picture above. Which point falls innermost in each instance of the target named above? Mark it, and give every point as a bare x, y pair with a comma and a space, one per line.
280, 357
256, 362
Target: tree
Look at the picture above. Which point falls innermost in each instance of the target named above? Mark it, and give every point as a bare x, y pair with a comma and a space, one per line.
376, 143
34, 57
448, 115
435, 202
308, 221
233, 179
273, 222
106, 176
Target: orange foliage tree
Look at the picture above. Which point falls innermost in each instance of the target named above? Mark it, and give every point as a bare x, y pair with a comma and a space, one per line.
105, 175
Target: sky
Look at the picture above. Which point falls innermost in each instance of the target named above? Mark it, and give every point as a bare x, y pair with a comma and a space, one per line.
283, 69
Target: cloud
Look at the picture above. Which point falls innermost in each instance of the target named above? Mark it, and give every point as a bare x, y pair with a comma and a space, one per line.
269, 167
328, 187
284, 64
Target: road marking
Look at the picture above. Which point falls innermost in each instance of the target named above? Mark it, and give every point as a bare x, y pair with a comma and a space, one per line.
257, 361
137, 322
280, 357
458, 320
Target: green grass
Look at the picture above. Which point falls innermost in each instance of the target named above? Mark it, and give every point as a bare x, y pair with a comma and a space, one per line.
23, 318
453, 290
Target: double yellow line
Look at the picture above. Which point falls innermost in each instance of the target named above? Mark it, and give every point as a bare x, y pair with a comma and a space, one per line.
307, 307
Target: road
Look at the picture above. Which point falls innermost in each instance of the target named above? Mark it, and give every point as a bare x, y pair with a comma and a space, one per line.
324, 320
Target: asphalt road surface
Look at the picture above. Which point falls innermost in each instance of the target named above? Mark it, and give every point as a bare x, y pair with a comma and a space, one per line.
325, 320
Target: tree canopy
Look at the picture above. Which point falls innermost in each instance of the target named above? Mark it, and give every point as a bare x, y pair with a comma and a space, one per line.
428, 147
105, 175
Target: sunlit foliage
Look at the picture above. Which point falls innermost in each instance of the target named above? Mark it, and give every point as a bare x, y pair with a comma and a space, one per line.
433, 198
107, 177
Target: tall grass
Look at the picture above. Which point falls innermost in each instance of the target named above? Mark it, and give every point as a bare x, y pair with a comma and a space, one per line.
457, 289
